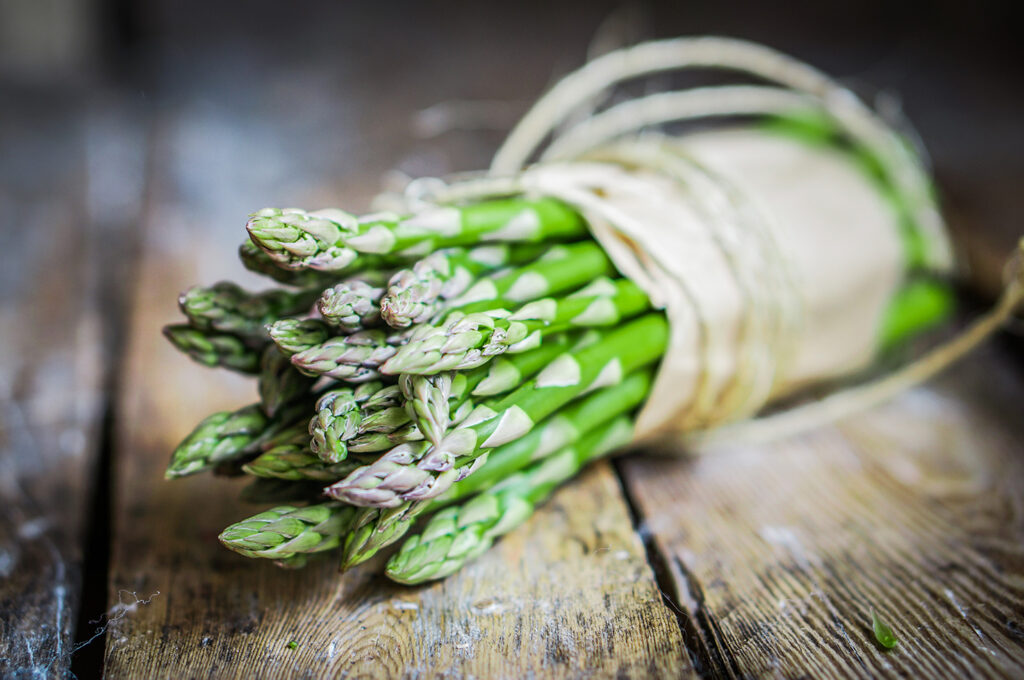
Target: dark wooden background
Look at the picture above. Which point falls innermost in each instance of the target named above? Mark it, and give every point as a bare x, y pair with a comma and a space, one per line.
135, 137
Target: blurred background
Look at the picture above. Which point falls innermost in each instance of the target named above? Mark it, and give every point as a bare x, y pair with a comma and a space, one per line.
243, 102
125, 122
256, 98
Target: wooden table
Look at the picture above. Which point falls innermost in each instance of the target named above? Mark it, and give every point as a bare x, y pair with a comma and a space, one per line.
752, 562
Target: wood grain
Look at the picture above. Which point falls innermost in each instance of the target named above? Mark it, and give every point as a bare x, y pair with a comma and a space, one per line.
55, 328
780, 553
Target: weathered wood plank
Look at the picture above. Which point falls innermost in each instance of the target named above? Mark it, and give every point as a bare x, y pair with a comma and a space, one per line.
55, 323
779, 553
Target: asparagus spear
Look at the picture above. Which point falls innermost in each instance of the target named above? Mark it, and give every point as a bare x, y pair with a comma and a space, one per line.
279, 382
562, 268
297, 239
219, 437
375, 442
469, 340
458, 534
414, 294
228, 308
285, 531
226, 437
375, 528
295, 335
331, 240
256, 260
214, 349
354, 358
295, 461
402, 475
351, 305
340, 414
428, 400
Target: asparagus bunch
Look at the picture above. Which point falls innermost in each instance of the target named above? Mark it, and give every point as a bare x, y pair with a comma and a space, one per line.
448, 368
457, 363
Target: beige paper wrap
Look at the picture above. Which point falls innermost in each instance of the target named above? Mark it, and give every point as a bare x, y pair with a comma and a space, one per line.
774, 260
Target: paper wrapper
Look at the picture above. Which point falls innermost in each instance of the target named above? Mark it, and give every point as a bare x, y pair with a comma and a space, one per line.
773, 259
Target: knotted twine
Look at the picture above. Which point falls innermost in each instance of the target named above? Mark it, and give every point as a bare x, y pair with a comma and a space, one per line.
773, 260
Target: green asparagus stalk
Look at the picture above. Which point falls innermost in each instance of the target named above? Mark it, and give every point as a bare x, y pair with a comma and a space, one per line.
562, 268
219, 437
224, 439
415, 294
375, 528
211, 348
340, 414
331, 240
296, 335
280, 383
297, 239
228, 308
429, 400
459, 534
295, 461
399, 475
375, 442
337, 417
345, 422
470, 340
256, 260
353, 358
351, 306
285, 531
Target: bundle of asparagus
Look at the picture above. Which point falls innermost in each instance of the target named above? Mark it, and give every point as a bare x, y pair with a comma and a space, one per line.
418, 381
445, 368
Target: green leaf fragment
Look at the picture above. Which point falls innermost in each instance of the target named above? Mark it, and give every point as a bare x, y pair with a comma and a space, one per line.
293, 645
883, 633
